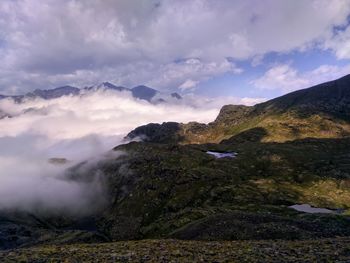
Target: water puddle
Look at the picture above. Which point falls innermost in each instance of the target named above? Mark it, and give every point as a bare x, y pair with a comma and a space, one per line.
306, 208
222, 154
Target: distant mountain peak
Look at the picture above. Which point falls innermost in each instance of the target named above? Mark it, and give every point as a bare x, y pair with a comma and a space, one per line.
105, 86
109, 85
144, 88
144, 92
176, 95
54, 93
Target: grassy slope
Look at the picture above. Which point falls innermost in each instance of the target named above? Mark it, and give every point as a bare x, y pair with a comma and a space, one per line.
175, 191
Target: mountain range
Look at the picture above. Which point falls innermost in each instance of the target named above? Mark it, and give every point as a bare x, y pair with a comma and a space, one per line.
287, 151
138, 92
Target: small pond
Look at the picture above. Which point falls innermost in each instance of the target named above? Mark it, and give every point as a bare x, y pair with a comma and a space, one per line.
222, 154
306, 208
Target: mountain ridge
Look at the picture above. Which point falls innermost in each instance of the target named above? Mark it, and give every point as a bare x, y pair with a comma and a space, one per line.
141, 92
319, 111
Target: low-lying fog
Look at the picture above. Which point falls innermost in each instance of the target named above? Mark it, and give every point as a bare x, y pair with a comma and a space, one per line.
75, 128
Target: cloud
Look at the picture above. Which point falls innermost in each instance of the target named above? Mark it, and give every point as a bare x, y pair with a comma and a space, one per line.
282, 77
34, 185
285, 78
188, 84
217, 102
83, 42
340, 44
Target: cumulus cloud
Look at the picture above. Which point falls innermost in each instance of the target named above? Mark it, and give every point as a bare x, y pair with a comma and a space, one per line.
340, 43
217, 102
285, 78
75, 128
282, 77
188, 84
79, 42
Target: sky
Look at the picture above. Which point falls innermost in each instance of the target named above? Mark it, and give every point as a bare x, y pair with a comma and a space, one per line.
247, 49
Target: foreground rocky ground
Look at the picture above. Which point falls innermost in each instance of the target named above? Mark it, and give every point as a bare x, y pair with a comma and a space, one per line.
319, 250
